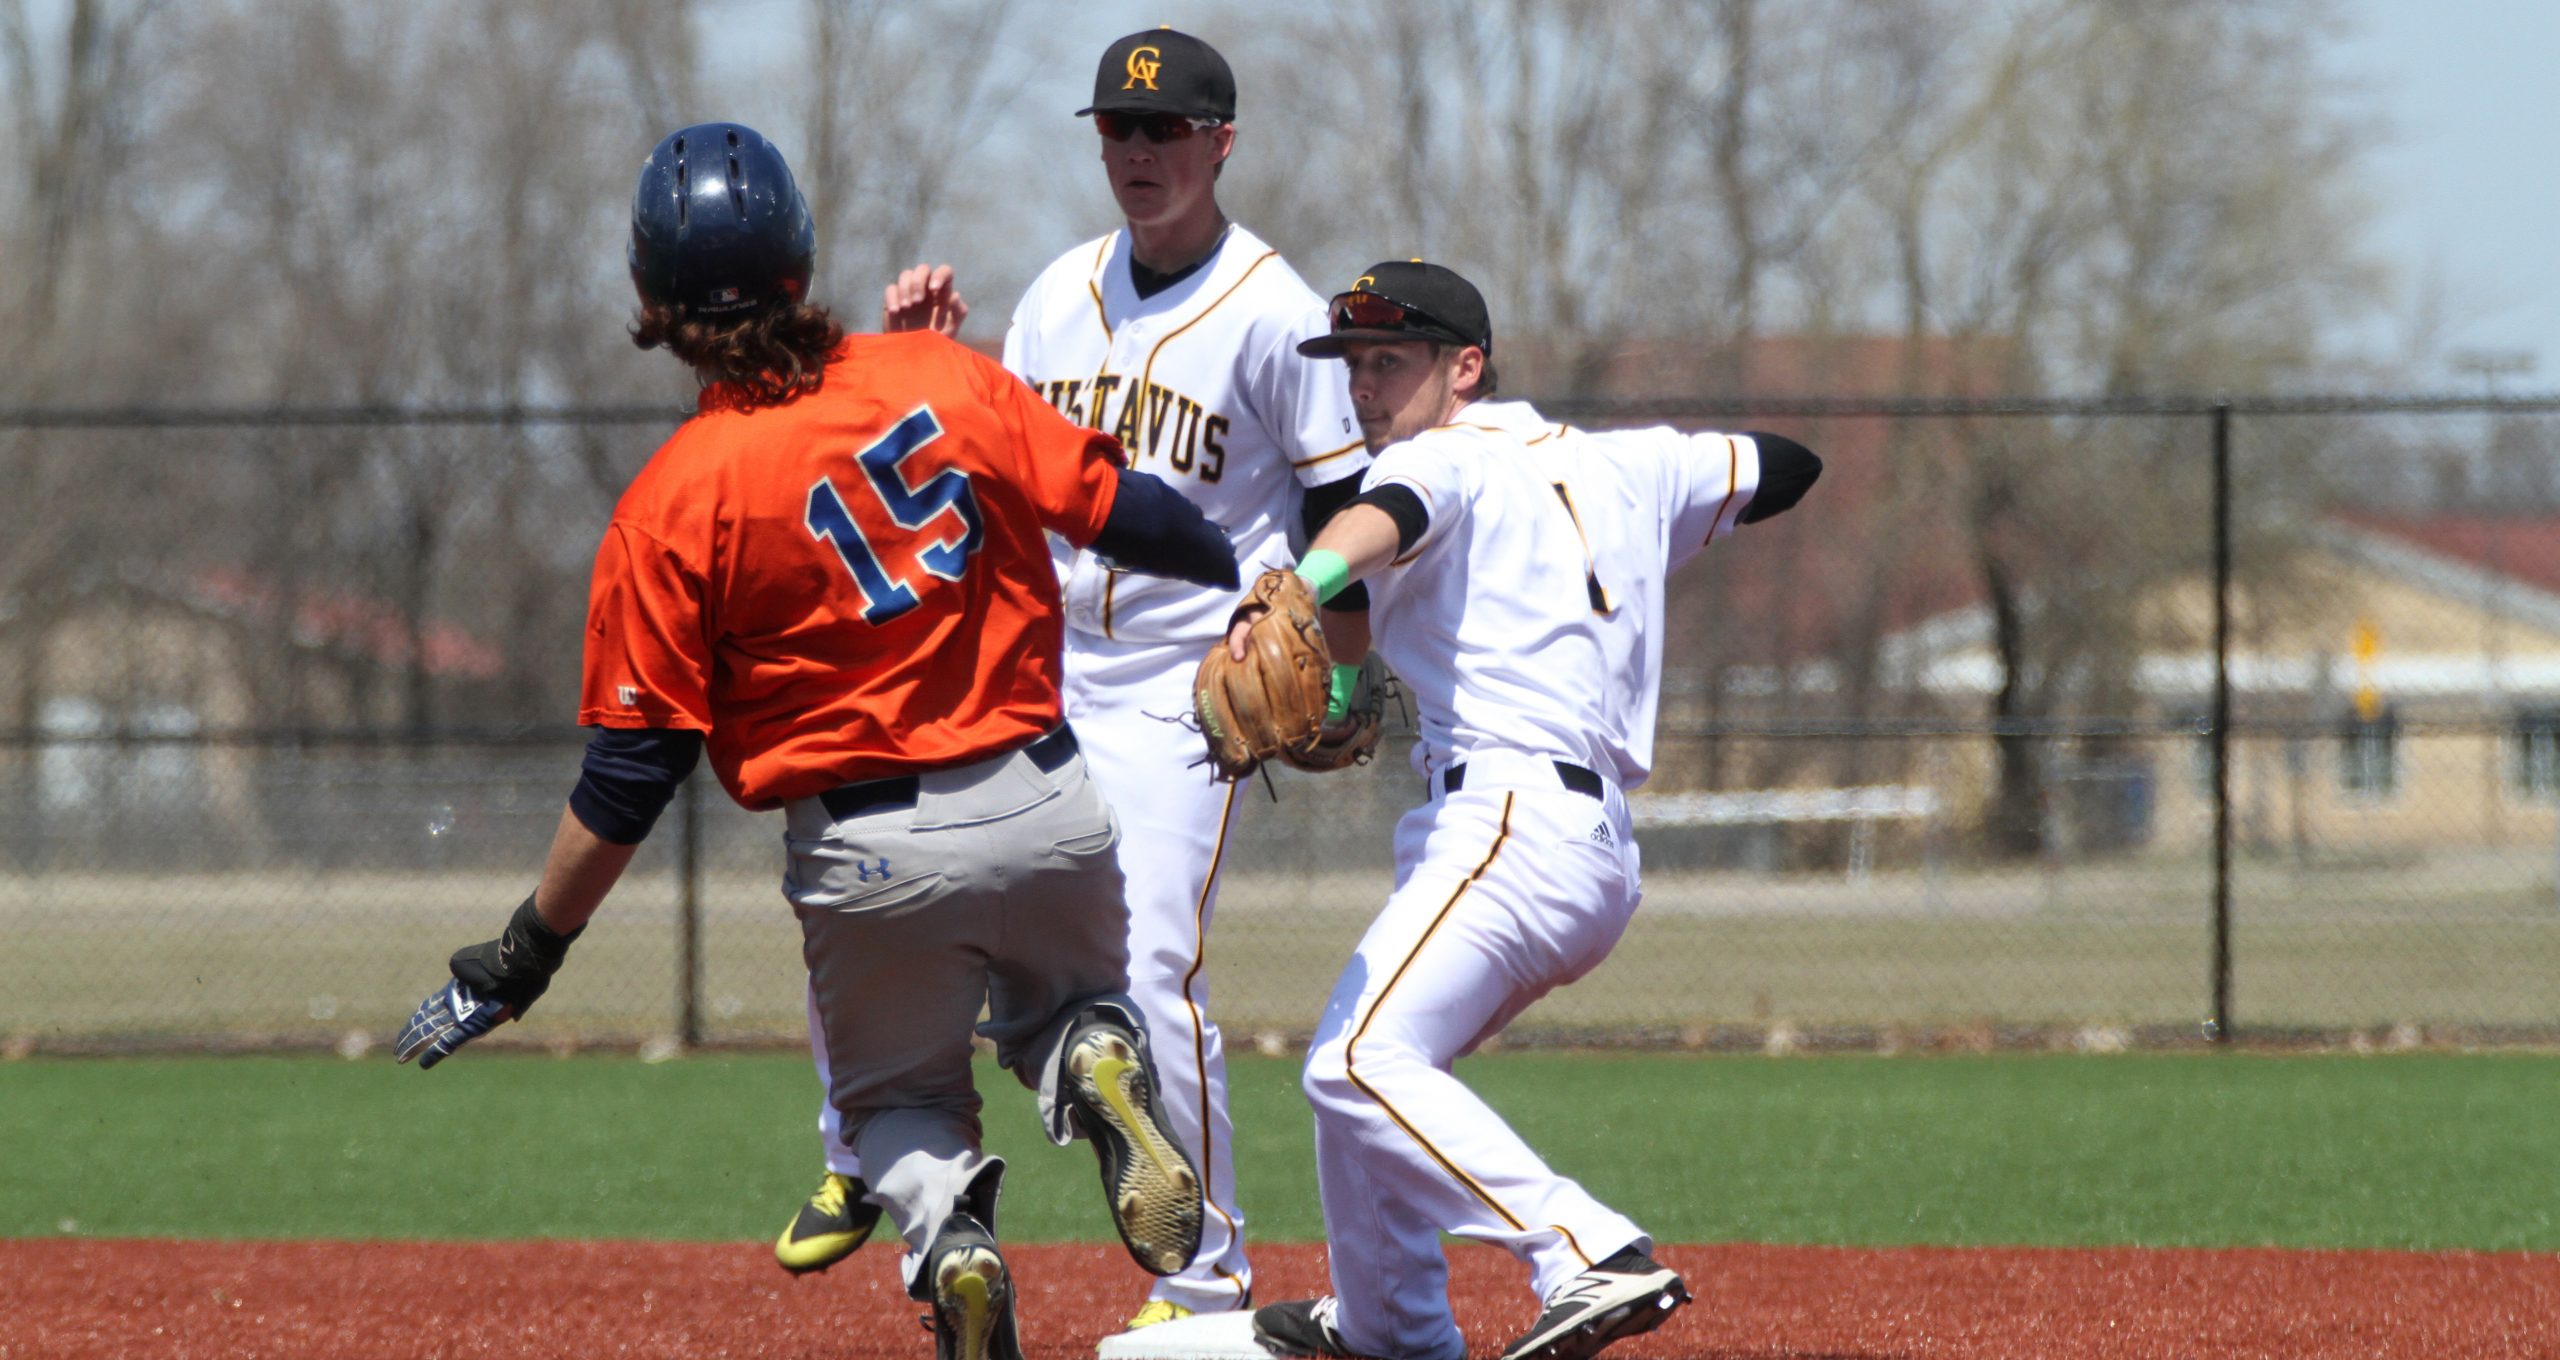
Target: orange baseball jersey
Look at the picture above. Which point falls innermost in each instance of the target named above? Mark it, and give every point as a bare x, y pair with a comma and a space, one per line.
850, 585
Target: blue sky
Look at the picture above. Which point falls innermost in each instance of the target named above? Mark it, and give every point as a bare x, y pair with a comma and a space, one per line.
2466, 182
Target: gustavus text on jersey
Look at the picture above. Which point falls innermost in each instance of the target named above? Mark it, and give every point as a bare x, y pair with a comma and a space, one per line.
1150, 420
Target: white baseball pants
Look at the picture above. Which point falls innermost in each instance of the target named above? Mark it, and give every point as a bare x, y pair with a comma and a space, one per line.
1123, 700
1504, 891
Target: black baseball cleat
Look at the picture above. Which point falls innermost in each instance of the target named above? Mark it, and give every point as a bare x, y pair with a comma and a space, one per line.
1623, 1296
1302, 1328
965, 1279
831, 1224
1153, 1188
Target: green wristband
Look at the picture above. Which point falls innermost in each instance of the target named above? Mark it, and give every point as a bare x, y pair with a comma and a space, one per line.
1345, 679
1327, 573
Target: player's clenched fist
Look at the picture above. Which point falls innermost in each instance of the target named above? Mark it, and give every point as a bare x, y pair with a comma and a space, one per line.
493, 982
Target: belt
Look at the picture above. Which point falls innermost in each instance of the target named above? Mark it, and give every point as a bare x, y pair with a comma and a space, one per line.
897, 791
1575, 778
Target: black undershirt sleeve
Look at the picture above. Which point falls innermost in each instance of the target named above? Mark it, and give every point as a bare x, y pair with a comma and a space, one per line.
1402, 506
1156, 529
1787, 470
629, 776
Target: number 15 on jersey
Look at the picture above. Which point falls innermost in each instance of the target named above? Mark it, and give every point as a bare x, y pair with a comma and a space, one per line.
945, 552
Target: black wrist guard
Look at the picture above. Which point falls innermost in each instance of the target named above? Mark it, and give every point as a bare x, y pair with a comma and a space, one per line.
516, 967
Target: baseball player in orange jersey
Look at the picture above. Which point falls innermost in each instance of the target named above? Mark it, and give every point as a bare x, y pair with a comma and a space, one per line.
1516, 573
835, 578
1178, 333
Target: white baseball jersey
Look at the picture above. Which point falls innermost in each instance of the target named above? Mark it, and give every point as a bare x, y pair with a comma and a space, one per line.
1528, 617
1528, 621
1203, 384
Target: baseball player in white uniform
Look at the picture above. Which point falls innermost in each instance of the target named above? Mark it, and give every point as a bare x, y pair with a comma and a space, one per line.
1516, 572
1180, 334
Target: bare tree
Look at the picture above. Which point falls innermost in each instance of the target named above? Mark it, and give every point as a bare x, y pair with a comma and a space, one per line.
899, 98
69, 99
2118, 196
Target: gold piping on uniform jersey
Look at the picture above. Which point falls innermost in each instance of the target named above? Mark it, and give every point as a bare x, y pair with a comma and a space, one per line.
1093, 286
1732, 484
1600, 602
1215, 424
1330, 455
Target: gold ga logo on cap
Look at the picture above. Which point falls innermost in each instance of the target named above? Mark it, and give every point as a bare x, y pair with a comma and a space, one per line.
1367, 282
1144, 62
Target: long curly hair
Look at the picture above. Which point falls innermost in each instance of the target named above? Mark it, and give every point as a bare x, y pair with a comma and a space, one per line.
769, 355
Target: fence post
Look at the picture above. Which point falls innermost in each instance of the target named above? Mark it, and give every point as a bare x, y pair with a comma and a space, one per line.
689, 917
2220, 1024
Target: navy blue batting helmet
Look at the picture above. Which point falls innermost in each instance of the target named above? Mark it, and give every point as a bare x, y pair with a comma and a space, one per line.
718, 225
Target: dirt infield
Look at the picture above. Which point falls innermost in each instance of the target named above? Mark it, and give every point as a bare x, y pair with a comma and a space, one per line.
72, 1299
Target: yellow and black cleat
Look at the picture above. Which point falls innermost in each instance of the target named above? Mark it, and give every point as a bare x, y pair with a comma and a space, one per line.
1153, 1190
1157, 1311
830, 1225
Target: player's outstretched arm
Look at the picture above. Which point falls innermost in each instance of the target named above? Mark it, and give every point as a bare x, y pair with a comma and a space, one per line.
493, 982
629, 777
1358, 540
1279, 685
1787, 471
1156, 529
924, 298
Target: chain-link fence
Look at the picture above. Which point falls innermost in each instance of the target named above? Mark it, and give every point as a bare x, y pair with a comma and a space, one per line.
2097, 722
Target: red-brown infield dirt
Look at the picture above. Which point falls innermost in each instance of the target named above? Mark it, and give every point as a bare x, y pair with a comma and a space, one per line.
75, 1299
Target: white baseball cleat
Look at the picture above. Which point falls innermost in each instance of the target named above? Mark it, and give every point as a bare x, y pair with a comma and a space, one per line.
1625, 1295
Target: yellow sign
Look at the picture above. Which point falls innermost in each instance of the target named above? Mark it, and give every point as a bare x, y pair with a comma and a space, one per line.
1144, 62
2368, 646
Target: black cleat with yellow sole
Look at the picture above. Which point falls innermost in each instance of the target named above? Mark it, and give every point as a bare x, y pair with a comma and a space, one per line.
1153, 1188
830, 1225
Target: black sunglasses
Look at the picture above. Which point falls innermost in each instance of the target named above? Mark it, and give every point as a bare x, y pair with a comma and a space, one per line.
1158, 128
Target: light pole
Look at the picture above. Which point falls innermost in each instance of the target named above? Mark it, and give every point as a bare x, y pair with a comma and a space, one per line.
2489, 365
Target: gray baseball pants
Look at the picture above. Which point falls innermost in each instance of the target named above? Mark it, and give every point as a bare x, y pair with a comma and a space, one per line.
997, 890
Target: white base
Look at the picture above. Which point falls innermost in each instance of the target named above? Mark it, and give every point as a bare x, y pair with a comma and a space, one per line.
1210, 1336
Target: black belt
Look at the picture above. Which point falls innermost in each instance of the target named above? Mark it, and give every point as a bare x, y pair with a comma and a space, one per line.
871, 795
1576, 779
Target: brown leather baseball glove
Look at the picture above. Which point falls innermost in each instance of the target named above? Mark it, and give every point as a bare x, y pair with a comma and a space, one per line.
1355, 738
1272, 703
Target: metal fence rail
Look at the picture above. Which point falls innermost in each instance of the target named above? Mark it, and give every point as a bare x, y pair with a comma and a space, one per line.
2081, 722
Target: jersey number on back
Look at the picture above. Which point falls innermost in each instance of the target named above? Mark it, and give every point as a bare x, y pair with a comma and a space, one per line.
886, 597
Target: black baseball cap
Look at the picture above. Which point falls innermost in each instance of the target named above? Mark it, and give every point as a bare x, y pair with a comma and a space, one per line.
1405, 300
1163, 71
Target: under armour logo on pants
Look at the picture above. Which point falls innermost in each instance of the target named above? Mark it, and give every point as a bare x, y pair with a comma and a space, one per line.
864, 873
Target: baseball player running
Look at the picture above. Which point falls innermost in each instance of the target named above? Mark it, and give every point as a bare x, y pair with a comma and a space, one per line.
1179, 334
1516, 573
835, 577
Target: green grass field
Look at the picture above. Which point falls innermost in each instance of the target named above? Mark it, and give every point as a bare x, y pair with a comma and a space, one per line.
2418, 1150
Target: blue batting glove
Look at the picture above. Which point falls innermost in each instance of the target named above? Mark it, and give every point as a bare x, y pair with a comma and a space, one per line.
451, 1016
